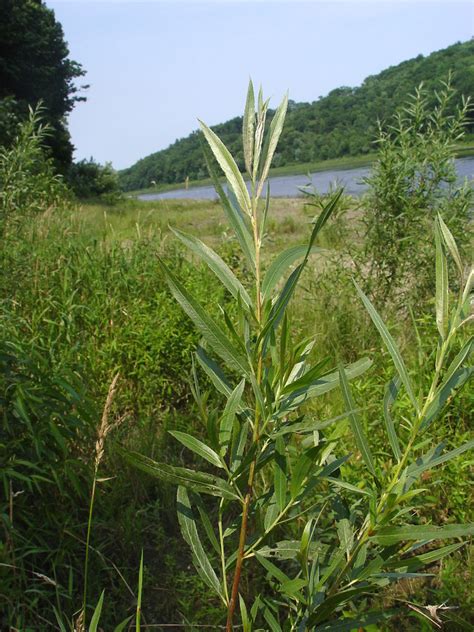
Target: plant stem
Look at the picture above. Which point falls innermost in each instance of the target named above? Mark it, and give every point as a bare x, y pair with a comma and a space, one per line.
256, 431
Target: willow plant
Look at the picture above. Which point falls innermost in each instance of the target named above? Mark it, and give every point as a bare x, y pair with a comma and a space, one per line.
271, 469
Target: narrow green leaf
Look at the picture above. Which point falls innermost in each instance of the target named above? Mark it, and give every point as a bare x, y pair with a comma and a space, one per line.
228, 166
280, 473
272, 569
206, 325
97, 612
214, 372
244, 615
197, 481
123, 624
259, 132
139, 597
349, 625
239, 440
206, 523
190, 534
198, 447
281, 304
281, 263
276, 128
445, 391
322, 385
355, 422
419, 561
417, 469
451, 244
345, 485
234, 215
227, 421
391, 535
391, 393
345, 535
391, 346
216, 264
328, 606
248, 128
442, 290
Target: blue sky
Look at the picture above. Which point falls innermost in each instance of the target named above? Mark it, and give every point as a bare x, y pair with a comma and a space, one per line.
155, 66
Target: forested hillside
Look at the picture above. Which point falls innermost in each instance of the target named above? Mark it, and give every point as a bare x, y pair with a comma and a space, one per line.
339, 124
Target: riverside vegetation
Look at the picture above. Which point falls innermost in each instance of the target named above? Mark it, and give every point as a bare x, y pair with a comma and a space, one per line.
336, 443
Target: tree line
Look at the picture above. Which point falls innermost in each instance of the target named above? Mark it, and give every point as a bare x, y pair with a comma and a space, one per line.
343, 123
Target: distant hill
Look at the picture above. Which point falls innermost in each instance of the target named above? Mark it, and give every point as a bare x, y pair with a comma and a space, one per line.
343, 123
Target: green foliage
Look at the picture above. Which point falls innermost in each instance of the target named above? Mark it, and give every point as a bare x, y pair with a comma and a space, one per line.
28, 184
88, 179
412, 181
281, 487
343, 123
34, 67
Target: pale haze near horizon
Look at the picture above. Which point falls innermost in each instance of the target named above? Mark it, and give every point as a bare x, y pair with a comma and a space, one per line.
155, 67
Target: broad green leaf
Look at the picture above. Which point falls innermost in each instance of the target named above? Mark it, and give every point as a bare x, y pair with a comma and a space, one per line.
248, 128
206, 325
198, 447
281, 263
227, 421
355, 422
391, 346
216, 264
190, 534
276, 127
416, 470
228, 166
452, 383
442, 290
197, 481
391, 535
451, 244
97, 612
234, 215
390, 396
280, 473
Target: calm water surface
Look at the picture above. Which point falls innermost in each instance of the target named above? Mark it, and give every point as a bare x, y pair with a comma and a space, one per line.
289, 186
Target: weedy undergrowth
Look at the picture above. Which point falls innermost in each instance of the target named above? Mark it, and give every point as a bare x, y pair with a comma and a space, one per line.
275, 477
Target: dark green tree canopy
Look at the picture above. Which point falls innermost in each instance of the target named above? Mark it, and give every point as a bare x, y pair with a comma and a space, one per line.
35, 66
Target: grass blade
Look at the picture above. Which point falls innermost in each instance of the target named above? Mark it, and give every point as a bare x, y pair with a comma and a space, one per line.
97, 612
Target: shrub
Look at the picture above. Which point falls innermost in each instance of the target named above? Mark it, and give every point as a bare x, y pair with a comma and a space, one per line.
414, 179
282, 499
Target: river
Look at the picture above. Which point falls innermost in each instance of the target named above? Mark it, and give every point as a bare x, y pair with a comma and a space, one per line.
289, 186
